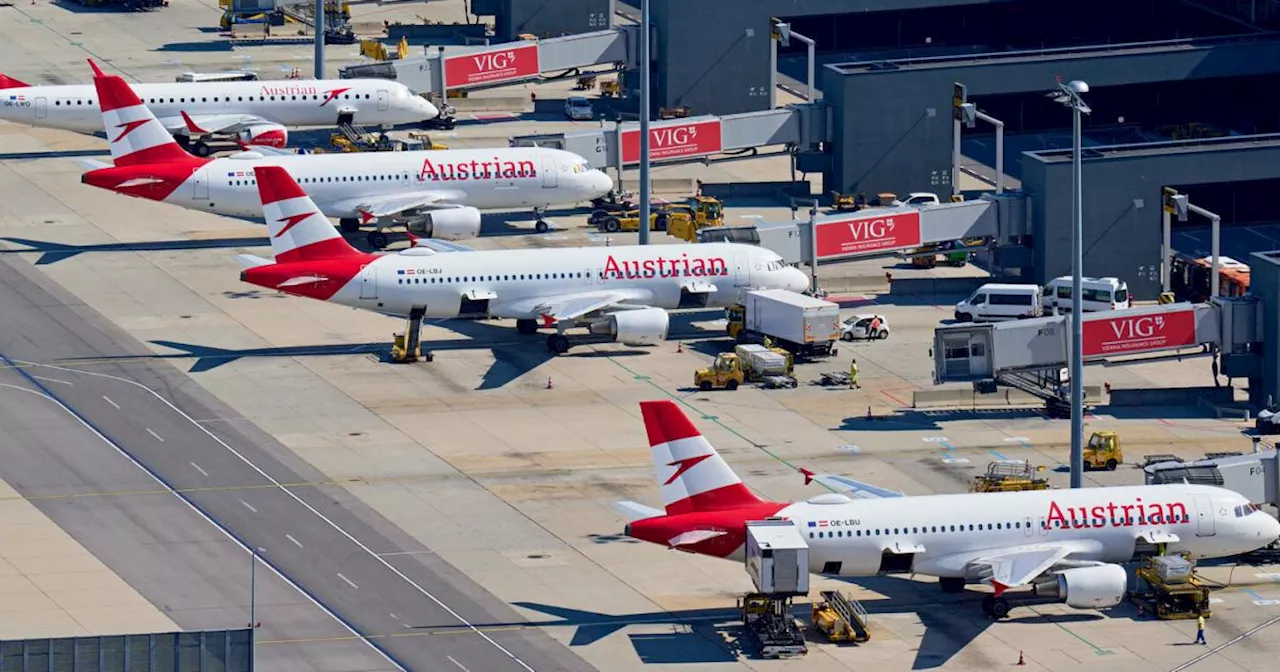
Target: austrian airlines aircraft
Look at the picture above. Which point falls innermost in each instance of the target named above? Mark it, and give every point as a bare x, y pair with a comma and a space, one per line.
254, 113
1063, 543
437, 193
622, 291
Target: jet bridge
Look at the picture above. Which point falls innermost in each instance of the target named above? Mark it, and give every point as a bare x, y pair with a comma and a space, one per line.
443, 69
1032, 354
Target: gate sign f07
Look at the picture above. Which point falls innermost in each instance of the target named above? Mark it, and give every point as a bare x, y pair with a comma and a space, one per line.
673, 141
1139, 333
490, 67
870, 233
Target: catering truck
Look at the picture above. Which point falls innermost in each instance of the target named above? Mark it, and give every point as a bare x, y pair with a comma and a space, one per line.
801, 324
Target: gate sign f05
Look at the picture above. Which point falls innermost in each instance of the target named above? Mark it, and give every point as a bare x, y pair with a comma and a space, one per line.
870, 233
673, 141
1139, 333
490, 67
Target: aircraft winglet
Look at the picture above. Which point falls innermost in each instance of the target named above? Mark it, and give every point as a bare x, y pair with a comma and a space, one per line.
191, 124
97, 72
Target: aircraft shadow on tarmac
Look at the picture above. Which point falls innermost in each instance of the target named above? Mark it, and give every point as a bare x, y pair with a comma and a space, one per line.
51, 253
700, 635
514, 355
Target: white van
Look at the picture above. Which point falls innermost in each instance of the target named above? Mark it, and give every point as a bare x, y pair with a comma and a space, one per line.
993, 302
1097, 294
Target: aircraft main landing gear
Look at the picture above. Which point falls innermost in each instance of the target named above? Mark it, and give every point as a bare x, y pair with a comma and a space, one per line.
349, 225
951, 584
558, 343
201, 149
408, 346
995, 607
377, 240
526, 327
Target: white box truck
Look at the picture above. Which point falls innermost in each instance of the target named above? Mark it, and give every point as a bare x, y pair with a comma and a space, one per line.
777, 557
803, 325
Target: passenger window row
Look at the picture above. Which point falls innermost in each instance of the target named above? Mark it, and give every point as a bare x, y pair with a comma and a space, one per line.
979, 527
215, 99
489, 278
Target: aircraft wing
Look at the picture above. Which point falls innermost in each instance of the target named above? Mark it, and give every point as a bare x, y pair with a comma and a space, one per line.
850, 487
391, 204
1020, 565
437, 245
204, 124
571, 306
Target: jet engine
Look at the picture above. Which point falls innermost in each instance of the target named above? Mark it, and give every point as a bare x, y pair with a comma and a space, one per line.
447, 223
645, 326
1095, 587
269, 135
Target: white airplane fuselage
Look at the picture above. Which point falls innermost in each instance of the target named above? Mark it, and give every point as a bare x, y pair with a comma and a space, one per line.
507, 177
515, 281
286, 102
1101, 524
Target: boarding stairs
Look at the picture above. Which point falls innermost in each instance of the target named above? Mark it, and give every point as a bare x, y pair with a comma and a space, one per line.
852, 612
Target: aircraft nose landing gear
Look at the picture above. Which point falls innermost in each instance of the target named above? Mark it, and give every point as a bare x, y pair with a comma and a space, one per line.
540, 225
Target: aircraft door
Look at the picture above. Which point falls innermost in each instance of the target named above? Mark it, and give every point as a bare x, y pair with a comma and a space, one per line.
369, 282
1044, 527
200, 184
382, 100
1026, 522
1204, 516
404, 179
587, 276
549, 178
42, 107
741, 270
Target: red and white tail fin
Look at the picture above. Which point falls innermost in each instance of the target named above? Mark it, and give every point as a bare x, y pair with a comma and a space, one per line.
136, 136
7, 82
298, 230
692, 474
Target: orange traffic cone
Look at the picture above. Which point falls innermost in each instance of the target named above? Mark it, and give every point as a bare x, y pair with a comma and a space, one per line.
549, 385
1021, 661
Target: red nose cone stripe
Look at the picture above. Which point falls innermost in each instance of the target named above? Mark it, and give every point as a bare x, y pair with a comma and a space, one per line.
114, 93
275, 184
665, 422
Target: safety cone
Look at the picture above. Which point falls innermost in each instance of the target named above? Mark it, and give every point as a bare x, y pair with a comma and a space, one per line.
1107, 386
1021, 660
549, 385
868, 412
679, 346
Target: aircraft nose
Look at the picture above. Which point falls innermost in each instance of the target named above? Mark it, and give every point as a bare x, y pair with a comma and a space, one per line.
599, 183
1272, 529
795, 279
429, 111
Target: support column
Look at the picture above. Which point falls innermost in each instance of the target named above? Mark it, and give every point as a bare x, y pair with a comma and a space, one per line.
1166, 252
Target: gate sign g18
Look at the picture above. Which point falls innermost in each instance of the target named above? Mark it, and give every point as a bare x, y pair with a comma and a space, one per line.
1139, 333
489, 67
672, 141
871, 233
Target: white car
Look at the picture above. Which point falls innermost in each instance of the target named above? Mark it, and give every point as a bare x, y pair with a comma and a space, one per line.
859, 327
916, 199
579, 109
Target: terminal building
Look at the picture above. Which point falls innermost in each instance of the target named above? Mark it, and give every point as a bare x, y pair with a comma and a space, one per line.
1176, 91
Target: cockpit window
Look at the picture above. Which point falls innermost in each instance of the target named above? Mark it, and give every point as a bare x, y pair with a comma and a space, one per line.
1247, 509
775, 265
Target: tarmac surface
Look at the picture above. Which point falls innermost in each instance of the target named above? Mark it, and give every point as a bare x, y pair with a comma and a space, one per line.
486, 476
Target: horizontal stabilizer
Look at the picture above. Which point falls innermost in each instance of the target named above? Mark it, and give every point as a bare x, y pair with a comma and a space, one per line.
268, 151
438, 245
848, 486
7, 82
636, 511
252, 261
694, 537
91, 164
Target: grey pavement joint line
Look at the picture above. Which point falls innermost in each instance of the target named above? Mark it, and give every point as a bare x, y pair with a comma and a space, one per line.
1220, 647
440, 603
48, 394
73, 43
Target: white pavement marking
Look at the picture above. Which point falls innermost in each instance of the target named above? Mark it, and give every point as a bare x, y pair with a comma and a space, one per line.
202, 471
383, 555
1016, 439
292, 495
295, 541
460, 665
849, 449
152, 432
111, 402
52, 380
349, 581
249, 506
955, 460
192, 505
934, 439
395, 617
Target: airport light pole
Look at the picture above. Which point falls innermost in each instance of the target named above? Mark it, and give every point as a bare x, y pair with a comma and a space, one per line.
320, 26
1068, 94
645, 78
